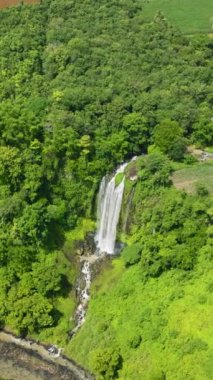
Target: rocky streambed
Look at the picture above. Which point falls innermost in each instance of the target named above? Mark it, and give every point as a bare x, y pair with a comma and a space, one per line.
22, 359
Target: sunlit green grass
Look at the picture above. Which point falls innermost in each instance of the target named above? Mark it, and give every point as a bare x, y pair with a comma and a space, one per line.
190, 16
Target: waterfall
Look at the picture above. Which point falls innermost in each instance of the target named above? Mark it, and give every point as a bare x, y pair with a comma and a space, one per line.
109, 206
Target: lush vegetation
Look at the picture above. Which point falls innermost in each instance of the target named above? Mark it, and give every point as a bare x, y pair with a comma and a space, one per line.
84, 87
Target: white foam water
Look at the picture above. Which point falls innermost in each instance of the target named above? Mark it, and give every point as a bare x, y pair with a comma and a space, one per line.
109, 206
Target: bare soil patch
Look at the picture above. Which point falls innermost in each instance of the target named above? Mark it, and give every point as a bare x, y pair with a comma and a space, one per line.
10, 3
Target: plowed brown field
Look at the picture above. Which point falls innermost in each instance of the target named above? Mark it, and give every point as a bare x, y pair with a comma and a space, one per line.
10, 3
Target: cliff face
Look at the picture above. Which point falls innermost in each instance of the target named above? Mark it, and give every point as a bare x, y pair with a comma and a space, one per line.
30, 365
20, 362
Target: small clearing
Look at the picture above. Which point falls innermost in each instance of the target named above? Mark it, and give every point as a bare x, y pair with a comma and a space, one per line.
188, 178
190, 16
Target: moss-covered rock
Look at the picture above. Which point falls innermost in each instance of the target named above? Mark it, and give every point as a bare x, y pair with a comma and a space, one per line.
75, 239
119, 178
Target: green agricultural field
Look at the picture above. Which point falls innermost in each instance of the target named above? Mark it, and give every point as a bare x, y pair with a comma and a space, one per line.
191, 16
189, 178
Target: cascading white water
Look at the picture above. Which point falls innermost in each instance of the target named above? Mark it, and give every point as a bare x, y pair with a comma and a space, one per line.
109, 206
83, 296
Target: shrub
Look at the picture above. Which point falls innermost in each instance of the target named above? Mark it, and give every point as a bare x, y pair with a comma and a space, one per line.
189, 159
210, 288
192, 345
135, 341
202, 299
177, 149
201, 190
106, 362
132, 254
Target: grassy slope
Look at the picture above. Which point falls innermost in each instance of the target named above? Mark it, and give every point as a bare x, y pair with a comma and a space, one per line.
189, 177
190, 16
173, 314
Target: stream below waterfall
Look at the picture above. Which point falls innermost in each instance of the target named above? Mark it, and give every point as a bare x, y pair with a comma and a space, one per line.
83, 293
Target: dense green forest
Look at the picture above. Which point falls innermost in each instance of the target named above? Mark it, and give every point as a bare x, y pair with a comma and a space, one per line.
84, 87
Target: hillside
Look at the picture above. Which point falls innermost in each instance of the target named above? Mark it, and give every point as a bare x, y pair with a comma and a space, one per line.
151, 308
162, 327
